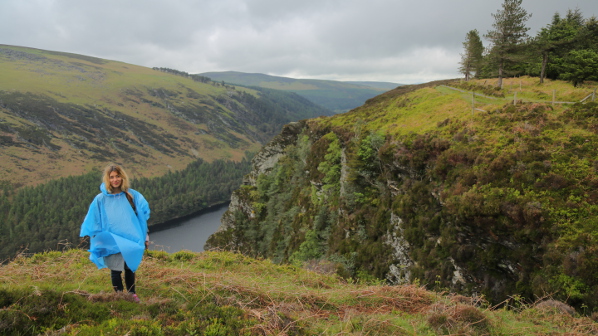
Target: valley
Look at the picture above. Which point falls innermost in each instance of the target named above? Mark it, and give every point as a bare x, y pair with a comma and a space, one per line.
337, 96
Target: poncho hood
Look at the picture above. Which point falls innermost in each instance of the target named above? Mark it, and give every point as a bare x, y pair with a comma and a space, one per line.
104, 190
114, 227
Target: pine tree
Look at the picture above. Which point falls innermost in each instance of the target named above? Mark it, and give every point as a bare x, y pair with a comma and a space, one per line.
508, 35
558, 38
588, 37
580, 65
472, 55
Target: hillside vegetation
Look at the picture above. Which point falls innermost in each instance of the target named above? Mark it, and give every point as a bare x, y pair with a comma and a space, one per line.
49, 216
222, 293
497, 199
63, 114
334, 95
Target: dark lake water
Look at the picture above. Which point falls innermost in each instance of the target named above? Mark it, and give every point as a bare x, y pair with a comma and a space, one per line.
190, 234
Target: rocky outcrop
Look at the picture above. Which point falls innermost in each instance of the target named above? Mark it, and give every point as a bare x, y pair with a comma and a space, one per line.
268, 156
262, 163
400, 271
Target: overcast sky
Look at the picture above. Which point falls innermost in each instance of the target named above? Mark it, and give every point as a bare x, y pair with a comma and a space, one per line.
400, 41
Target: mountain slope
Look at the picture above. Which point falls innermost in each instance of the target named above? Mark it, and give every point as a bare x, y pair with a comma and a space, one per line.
416, 186
334, 95
63, 114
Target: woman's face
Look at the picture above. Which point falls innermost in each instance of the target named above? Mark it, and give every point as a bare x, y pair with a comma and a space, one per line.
115, 179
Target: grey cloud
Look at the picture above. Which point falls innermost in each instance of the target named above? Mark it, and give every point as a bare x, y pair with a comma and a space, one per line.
392, 40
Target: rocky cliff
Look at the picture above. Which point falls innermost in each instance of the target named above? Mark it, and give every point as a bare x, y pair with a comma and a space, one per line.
413, 188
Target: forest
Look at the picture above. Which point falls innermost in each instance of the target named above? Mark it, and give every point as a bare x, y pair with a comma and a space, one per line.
565, 49
48, 216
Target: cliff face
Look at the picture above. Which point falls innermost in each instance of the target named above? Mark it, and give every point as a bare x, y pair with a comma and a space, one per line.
263, 163
495, 204
324, 206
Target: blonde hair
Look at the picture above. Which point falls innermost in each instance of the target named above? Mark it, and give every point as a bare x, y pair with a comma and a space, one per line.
124, 186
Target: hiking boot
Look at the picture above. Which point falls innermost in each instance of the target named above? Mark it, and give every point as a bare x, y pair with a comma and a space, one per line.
136, 298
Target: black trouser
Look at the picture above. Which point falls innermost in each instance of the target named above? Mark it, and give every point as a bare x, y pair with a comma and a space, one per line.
117, 281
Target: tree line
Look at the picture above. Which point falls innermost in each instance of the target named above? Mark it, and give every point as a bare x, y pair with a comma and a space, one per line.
566, 48
48, 216
197, 78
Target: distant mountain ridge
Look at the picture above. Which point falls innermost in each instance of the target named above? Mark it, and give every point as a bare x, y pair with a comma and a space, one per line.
338, 96
377, 85
62, 114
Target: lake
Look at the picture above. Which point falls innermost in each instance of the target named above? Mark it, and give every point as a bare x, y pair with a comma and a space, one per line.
190, 234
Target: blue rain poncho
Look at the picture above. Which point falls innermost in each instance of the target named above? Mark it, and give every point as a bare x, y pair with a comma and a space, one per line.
115, 228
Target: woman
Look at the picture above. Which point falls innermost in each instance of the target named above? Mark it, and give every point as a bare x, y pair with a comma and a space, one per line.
117, 224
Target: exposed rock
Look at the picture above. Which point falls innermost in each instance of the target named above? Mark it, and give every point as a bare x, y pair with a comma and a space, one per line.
269, 155
262, 162
555, 306
399, 272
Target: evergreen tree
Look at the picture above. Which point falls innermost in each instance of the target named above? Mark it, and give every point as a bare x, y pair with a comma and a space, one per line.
508, 35
578, 60
557, 39
580, 65
588, 36
472, 56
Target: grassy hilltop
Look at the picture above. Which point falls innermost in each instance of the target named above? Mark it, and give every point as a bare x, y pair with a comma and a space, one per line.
222, 293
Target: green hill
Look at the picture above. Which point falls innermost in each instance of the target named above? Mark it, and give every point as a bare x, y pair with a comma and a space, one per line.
63, 114
334, 95
226, 294
418, 185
